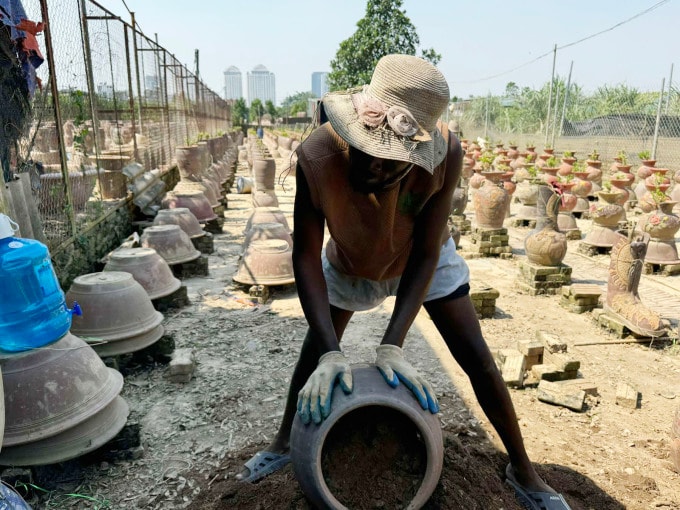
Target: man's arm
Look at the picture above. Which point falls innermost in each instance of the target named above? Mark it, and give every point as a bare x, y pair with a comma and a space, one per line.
311, 284
424, 255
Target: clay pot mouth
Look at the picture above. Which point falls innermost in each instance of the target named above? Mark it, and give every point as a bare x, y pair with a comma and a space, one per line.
171, 243
307, 442
183, 217
114, 306
266, 262
128, 345
85, 437
65, 383
147, 267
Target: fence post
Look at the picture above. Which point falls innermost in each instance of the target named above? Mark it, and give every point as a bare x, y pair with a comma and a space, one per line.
139, 87
670, 90
566, 99
552, 80
69, 210
131, 96
90, 85
658, 119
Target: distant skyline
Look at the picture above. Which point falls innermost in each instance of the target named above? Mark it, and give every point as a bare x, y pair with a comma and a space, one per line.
295, 38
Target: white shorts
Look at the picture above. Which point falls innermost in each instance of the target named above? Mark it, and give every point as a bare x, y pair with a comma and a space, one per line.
359, 294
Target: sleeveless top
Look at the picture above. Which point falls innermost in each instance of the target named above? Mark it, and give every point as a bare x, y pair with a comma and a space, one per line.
371, 234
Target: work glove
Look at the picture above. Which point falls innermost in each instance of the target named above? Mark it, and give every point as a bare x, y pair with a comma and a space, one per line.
314, 399
393, 367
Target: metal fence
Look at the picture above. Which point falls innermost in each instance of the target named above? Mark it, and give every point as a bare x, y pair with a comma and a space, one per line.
110, 95
610, 119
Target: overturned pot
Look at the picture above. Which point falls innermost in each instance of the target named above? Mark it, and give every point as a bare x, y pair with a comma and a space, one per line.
195, 201
148, 269
171, 243
183, 217
266, 262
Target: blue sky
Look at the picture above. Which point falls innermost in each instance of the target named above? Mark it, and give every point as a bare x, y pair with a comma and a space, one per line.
294, 38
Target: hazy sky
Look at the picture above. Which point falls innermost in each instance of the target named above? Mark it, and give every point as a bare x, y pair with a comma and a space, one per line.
293, 38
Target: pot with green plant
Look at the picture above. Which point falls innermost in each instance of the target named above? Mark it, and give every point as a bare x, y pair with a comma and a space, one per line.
619, 180
606, 214
646, 164
189, 160
552, 165
566, 162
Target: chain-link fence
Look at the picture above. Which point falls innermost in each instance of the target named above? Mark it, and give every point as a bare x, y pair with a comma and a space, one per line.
610, 120
110, 95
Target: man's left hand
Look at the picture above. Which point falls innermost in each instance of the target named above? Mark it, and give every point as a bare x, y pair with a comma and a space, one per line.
394, 368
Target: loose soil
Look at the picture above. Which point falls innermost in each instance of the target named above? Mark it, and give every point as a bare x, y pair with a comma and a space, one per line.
196, 436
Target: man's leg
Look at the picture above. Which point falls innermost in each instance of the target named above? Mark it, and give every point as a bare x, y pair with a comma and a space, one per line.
457, 322
307, 362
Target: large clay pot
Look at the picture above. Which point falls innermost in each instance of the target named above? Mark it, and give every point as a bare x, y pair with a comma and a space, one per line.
546, 245
49, 391
266, 215
267, 262
264, 198
195, 201
264, 173
662, 225
147, 268
491, 203
267, 231
171, 243
460, 200
201, 186
645, 169
183, 217
370, 399
189, 161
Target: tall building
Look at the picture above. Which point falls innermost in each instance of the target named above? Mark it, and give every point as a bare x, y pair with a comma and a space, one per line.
319, 84
233, 83
261, 85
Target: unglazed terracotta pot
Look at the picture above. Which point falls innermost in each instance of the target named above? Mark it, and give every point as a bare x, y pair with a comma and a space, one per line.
267, 262
265, 198
189, 161
267, 231
266, 215
491, 204
460, 200
264, 173
546, 245
87, 436
195, 201
114, 306
171, 243
148, 269
204, 187
51, 390
183, 217
370, 394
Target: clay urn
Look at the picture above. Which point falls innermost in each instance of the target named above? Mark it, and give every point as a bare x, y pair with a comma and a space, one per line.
189, 161
491, 202
148, 269
183, 217
171, 243
546, 245
264, 173
267, 262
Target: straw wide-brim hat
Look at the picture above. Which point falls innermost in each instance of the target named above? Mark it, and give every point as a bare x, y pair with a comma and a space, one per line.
395, 116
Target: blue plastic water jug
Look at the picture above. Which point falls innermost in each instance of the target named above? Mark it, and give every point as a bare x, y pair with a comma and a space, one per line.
33, 309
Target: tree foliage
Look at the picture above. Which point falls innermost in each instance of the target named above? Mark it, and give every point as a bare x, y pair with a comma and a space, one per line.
296, 103
271, 109
384, 29
256, 110
239, 111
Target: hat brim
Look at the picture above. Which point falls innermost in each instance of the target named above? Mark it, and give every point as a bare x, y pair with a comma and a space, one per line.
381, 142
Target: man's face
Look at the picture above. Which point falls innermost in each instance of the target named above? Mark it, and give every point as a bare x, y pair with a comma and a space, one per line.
369, 174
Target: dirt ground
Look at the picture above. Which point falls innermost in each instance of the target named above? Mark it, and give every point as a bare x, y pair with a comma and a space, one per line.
196, 436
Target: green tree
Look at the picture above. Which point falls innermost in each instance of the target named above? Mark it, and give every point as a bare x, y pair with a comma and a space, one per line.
295, 103
385, 29
256, 110
239, 111
271, 109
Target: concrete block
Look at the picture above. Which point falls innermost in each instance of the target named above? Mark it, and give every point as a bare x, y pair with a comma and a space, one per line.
562, 395
513, 369
627, 396
182, 365
552, 342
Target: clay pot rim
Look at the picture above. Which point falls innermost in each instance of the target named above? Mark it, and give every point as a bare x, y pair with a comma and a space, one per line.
128, 345
92, 432
173, 283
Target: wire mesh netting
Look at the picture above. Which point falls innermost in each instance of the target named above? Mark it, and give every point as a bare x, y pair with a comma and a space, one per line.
110, 95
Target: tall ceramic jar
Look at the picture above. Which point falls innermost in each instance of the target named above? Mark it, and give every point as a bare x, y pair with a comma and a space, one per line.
491, 202
662, 225
607, 212
546, 245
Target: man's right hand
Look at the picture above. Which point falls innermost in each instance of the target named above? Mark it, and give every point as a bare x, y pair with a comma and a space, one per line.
314, 399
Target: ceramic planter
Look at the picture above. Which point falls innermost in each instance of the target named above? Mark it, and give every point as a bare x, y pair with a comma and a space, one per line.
266, 198
195, 201
189, 161
180, 216
203, 187
266, 215
267, 231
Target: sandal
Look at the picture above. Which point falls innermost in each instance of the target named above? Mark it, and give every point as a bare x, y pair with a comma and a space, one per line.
535, 500
263, 464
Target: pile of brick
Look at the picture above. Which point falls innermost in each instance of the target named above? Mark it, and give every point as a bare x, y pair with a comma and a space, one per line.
490, 242
580, 297
537, 280
484, 299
